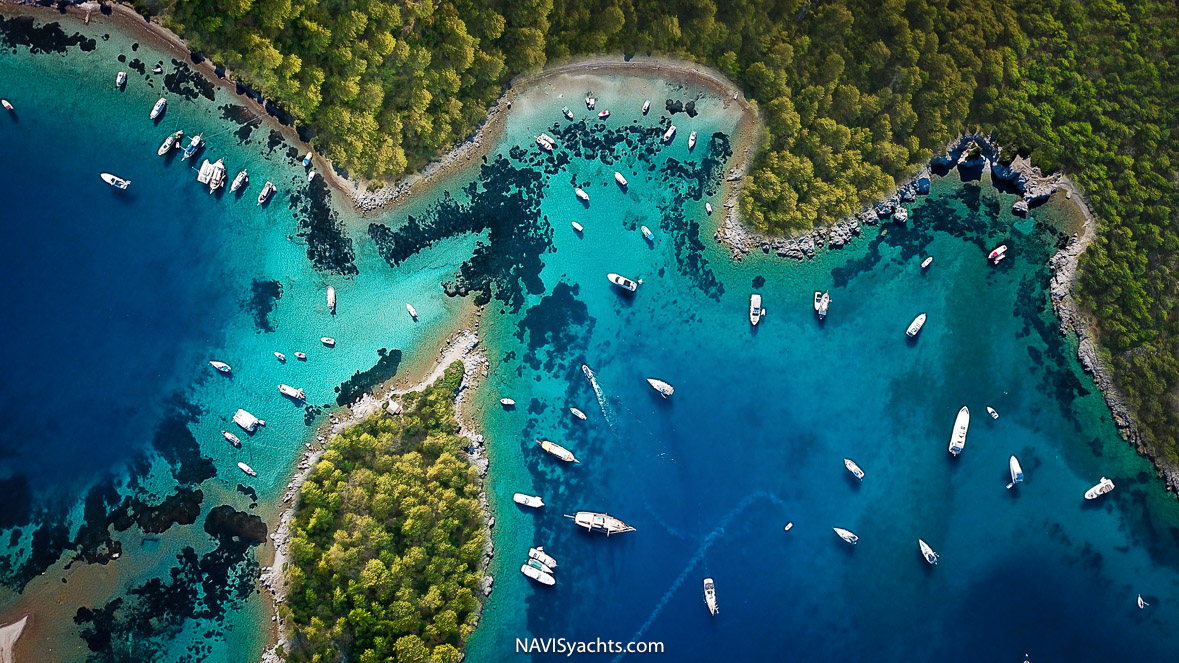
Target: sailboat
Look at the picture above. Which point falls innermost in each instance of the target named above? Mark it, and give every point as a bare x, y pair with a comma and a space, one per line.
1016, 472
846, 535
158, 109
1141, 604
665, 390
600, 522
927, 552
710, 596
221, 366
558, 451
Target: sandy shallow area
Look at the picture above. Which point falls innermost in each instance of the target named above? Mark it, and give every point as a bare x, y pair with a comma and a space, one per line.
9, 633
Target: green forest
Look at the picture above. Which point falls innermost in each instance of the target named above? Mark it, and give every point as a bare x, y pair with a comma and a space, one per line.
855, 94
387, 540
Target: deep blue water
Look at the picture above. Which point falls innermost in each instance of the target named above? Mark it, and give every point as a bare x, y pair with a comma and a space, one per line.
112, 417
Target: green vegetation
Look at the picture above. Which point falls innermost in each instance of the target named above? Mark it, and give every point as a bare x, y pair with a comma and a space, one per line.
387, 540
855, 94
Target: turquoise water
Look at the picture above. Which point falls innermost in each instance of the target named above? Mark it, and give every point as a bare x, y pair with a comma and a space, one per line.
118, 300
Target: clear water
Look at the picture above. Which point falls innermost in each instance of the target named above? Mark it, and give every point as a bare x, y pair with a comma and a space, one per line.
116, 301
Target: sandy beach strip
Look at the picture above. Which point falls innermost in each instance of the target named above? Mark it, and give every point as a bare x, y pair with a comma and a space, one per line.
9, 633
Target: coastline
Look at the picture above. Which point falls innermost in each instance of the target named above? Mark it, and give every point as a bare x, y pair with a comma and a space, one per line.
9, 634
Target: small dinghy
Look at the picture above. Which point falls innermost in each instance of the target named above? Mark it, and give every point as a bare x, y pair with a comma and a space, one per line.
1104, 486
620, 179
853, 468
247, 469
590, 102
1016, 472
507, 402
221, 366
647, 234
528, 500
115, 181
331, 299
7, 106
927, 552
665, 390
328, 341
927, 262
603, 115
991, 411
158, 109
300, 356
158, 69
581, 194
691, 141
120, 79
846, 535
172, 141
646, 106
311, 176
578, 227
232, 439
708, 208
755, 310
413, 314
789, 526
577, 413
623, 282
558, 451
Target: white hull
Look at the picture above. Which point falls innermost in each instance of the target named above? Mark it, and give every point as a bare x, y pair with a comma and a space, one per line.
998, 254
915, 326
528, 500
558, 451
991, 411
961, 427
669, 134
328, 341
247, 421
121, 79
541, 556
623, 282
115, 181
280, 356
412, 311
927, 552
822, 302
538, 575
577, 413
507, 402
239, 181
290, 392
620, 179
247, 469
193, 146
231, 438
927, 262
691, 141
708, 208
173, 140
581, 195
158, 109
221, 366
755, 309
665, 390
1016, 471
578, 227
1103, 487
853, 468
600, 522
331, 300
647, 234
267, 190
846, 535
646, 106
710, 596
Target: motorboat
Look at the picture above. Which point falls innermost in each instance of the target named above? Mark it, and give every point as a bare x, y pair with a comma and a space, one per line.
221, 366
822, 302
590, 102
623, 282
991, 411
961, 426
543, 557
538, 574
328, 341
789, 526
248, 422
927, 552
546, 145
7, 106
193, 146
620, 179
1016, 472
1141, 604
311, 176
331, 299
268, 190
998, 254
280, 357
172, 141
581, 194
646, 106
290, 392
665, 390
669, 134
577, 413
927, 262
567, 113
603, 115
846, 535
578, 227
240, 180
115, 181
708, 208
600, 522
212, 174
528, 500
755, 309
710, 596
1104, 486
507, 402
307, 159
158, 69
232, 439
120, 79
647, 234
413, 314
247, 469
558, 451
853, 468
915, 326
691, 140
301, 356
589, 375
158, 109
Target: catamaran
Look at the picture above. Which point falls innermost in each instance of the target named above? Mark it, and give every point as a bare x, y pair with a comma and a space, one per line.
669, 134
558, 451
691, 140
927, 552
998, 254
755, 309
290, 392
239, 181
538, 573
328, 341
543, 557
620, 179
193, 146
172, 141
915, 326
600, 522
532, 501
158, 109
577, 413
822, 301
646, 106
507, 402
248, 422
247, 469
267, 190
961, 426
853, 468
710, 596
623, 282
1104, 486
581, 195
220, 366
846, 535
662, 387
115, 181
120, 79
331, 299
232, 439
1016, 472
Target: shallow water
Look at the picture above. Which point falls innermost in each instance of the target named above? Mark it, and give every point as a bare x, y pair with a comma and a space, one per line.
118, 300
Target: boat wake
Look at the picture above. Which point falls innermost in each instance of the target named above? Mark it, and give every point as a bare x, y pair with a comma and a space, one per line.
603, 404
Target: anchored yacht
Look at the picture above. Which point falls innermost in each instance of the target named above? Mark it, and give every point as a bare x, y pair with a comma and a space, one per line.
567, 113
528, 500
846, 535
755, 309
172, 141
623, 282
581, 194
710, 596
822, 301
543, 557
577, 413
158, 109
691, 140
600, 522
290, 392
538, 573
1016, 472
558, 451
669, 134
927, 552
232, 439
413, 313
328, 341
239, 181
331, 299
193, 146
248, 422
915, 326
1104, 486
247, 469
853, 468
620, 179
268, 190
961, 426
662, 387
507, 402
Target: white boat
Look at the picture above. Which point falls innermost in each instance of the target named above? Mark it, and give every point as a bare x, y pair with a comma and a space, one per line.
307, 159
590, 102
558, 451
603, 115
589, 375
577, 413
710, 596
121, 79
158, 69
991, 411
115, 180
1016, 472
669, 134
1104, 486
578, 227
232, 439
961, 426
846, 535
311, 176
507, 402
646, 106
7, 106
822, 302
647, 234
543, 557
173, 140
247, 469
412, 311
193, 146
708, 208
600, 522
290, 392
755, 309
567, 113
691, 140
528, 500
789, 526
662, 387
927, 262
300, 356
998, 254
280, 357
581, 194
927, 552
247, 421
545, 144
268, 190
1141, 604
158, 109
853, 468
221, 366
212, 174
239, 181
538, 575
623, 282
915, 326
620, 179
328, 341
331, 299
